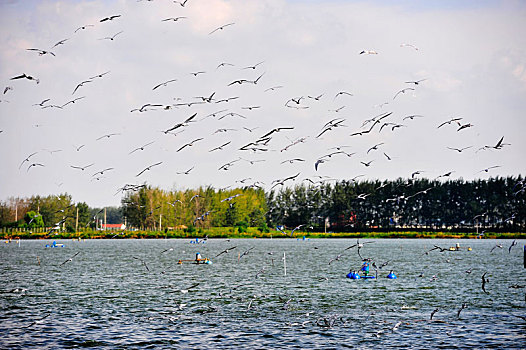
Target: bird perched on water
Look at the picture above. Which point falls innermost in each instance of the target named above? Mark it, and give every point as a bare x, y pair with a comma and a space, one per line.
484, 281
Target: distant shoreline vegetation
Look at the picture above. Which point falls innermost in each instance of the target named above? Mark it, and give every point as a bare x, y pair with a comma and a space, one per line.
347, 208
250, 232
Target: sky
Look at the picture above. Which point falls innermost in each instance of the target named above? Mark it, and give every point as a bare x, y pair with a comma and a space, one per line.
468, 57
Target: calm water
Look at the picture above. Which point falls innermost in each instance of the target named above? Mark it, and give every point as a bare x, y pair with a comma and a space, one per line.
104, 298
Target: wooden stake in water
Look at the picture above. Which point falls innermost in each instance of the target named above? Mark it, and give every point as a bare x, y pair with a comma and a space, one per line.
284, 264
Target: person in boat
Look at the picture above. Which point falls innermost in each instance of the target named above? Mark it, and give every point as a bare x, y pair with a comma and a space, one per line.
198, 258
365, 268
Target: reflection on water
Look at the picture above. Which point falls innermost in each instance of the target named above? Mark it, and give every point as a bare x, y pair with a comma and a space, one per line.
106, 297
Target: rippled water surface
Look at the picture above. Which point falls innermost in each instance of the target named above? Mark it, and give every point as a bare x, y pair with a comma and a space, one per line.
105, 297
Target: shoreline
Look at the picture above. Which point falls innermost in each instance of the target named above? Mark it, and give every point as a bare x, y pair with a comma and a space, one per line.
232, 233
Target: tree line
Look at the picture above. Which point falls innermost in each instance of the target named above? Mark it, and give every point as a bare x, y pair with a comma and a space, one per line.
496, 204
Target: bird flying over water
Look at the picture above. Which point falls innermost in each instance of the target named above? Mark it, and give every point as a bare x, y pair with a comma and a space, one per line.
70, 259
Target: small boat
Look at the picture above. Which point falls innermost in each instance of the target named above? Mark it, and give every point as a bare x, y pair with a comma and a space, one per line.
195, 261
55, 245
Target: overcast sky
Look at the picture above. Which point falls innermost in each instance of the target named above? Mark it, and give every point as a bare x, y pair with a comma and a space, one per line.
472, 55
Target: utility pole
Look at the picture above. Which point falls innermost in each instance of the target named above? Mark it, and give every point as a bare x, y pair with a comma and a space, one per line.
105, 224
77, 221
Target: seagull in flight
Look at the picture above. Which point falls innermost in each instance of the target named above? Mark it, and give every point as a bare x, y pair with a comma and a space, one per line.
110, 18
185, 123
416, 82
189, 144
220, 147
452, 120
402, 92
25, 76
464, 126
42, 52
488, 169
79, 85
27, 159
107, 136
148, 168
368, 52
185, 172
254, 66
182, 3
459, 150
143, 262
375, 147
174, 19
70, 259
164, 84
111, 37
141, 148
225, 251
409, 45
276, 130
220, 28
34, 164
81, 167
84, 27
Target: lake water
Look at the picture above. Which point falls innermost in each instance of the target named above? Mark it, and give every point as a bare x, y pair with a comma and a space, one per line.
106, 298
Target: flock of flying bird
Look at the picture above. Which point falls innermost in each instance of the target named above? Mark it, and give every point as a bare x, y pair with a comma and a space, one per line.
238, 120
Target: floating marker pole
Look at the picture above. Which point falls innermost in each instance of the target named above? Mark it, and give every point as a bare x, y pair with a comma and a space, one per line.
285, 264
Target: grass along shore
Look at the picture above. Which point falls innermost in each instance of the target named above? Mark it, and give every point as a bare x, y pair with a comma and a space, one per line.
250, 232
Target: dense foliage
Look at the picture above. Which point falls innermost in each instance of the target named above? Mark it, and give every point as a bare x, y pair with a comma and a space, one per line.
496, 204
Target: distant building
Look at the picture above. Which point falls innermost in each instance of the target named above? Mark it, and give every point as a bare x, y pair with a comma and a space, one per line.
113, 227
